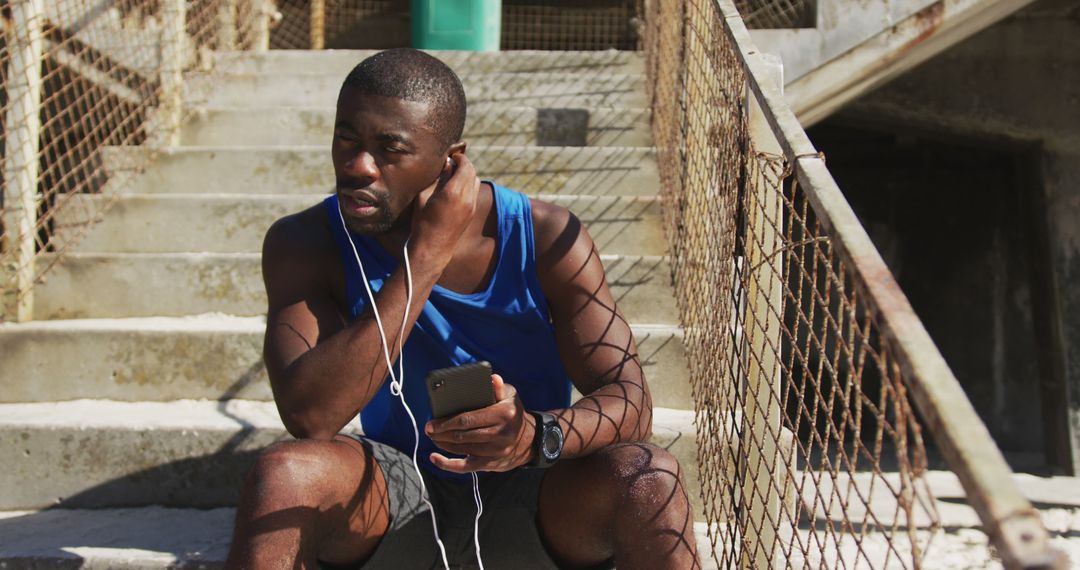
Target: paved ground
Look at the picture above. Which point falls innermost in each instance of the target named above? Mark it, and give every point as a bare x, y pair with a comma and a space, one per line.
157, 537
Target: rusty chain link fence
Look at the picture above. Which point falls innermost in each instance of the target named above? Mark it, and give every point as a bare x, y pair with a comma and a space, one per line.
526, 24
81, 78
86, 81
807, 363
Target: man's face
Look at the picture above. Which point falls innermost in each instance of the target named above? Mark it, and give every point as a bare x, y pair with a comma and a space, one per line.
384, 155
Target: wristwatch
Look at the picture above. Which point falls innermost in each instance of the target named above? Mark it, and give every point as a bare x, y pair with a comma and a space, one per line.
548, 443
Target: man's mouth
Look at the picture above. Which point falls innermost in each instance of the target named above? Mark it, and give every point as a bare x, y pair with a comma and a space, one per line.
359, 203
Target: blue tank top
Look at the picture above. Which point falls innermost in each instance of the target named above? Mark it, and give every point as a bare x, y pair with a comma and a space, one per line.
507, 324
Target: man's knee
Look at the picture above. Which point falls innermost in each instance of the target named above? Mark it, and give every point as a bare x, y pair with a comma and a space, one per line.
304, 470
641, 471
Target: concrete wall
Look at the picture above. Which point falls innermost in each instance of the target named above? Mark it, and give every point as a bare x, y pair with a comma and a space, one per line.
1017, 82
840, 26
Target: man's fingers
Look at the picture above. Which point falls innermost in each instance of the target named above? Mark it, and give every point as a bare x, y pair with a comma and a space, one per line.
486, 449
466, 421
459, 465
479, 435
494, 415
499, 387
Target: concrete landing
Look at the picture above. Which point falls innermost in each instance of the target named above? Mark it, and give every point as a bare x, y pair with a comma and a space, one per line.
156, 537
149, 538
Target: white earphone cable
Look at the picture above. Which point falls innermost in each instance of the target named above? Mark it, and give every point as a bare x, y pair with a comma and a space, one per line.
397, 389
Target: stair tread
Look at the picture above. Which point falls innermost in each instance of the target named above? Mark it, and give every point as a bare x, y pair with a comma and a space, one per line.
147, 535
110, 414
217, 322
203, 414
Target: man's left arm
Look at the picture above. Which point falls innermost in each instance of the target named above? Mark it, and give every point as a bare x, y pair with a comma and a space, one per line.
598, 352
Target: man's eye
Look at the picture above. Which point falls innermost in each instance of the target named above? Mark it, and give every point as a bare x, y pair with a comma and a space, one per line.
394, 149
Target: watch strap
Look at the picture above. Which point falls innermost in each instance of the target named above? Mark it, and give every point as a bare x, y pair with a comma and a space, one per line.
539, 459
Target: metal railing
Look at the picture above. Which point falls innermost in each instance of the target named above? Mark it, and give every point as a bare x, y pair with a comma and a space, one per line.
808, 365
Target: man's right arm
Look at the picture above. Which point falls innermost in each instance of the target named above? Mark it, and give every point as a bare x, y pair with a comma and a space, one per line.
322, 369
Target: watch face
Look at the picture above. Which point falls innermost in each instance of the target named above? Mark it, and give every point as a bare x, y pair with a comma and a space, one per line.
553, 442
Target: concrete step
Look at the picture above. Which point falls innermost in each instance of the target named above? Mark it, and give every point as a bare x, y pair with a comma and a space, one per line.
496, 125
554, 89
340, 62
187, 453
96, 453
625, 171
159, 538
211, 357
147, 538
180, 284
236, 223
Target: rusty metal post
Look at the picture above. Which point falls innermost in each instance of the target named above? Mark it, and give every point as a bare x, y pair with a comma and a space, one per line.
261, 12
227, 25
173, 48
766, 478
21, 170
318, 24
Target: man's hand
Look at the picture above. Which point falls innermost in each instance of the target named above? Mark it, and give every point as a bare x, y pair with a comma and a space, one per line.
496, 438
442, 213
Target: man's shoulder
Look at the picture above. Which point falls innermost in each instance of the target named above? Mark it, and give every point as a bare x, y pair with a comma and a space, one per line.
554, 227
302, 236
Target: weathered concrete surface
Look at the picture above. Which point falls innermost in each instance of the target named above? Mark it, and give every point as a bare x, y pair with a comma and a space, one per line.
589, 171
152, 359
148, 538
210, 357
94, 453
187, 453
158, 537
519, 89
115, 539
179, 284
841, 25
508, 126
237, 223
340, 62
152, 538
890, 53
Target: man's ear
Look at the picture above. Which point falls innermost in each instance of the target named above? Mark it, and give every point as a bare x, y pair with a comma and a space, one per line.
456, 148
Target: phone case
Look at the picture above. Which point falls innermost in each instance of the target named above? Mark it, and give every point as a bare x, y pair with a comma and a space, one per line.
460, 389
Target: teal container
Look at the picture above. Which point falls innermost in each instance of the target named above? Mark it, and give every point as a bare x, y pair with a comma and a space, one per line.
469, 25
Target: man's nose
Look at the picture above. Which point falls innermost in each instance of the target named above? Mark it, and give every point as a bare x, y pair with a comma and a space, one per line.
362, 165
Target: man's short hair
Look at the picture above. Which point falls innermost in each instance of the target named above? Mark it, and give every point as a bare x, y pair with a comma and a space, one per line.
412, 75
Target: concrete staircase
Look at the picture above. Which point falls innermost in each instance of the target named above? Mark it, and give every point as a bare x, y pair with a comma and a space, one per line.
131, 409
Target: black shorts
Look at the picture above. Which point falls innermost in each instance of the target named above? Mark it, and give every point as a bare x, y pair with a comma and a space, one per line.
509, 537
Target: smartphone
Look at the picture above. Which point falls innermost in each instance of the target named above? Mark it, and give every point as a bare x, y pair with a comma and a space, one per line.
460, 389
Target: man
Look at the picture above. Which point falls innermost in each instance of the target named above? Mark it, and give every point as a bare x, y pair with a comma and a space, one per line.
494, 276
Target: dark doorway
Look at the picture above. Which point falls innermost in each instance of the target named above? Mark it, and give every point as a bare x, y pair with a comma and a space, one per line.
960, 225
